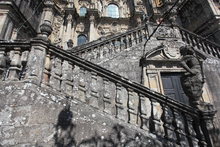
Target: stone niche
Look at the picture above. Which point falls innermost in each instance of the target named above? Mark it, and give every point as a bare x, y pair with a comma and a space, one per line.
165, 59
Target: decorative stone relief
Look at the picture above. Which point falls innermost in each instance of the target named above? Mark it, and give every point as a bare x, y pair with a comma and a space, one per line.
165, 32
171, 51
84, 3
58, 21
80, 27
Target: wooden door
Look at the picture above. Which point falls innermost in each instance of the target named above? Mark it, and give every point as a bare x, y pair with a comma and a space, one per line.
173, 88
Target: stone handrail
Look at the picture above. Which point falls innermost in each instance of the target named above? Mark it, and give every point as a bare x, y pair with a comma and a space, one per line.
176, 123
200, 43
110, 45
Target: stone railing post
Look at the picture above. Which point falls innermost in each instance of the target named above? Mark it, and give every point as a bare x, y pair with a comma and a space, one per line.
4, 60
15, 65
207, 112
37, 56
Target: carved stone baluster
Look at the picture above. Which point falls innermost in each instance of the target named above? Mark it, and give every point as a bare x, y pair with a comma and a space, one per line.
93, 55
101, 51
145, 33
106, 96
167, 118
182, 35
145, 112
105, 51
129, 40
187, 38
155, 123
207, 48
89, 54
84, 55
133, 102
121, 103
135, 37
140, 36
75, 75
4, 63
67, 79
97, 53
24, 60
82, 85
179, 128
217, 51
15, 64
214, 53
191, 134
192, 40
113, 48
120, 44
203, 46
56, 73
109, 96
125, 42
47, 69
94, 100
197, 43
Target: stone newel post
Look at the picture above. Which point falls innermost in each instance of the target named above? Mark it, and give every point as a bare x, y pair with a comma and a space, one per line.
39, 45
208, 112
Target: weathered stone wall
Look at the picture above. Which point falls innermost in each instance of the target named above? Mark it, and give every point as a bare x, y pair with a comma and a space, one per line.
212, 75
127, 62
33, 116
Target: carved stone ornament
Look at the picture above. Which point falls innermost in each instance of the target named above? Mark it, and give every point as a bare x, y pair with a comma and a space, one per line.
165, 32
84, 3
80, 27
45, 29
171, 51
58, 21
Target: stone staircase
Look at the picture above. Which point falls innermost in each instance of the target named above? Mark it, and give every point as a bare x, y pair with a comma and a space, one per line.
55, 70
97, 50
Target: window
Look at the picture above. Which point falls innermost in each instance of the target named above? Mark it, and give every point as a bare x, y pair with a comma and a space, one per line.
81, 39
82, 11
112, 11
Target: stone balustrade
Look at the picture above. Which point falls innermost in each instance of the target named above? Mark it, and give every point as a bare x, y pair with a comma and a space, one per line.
13, 60
176, 123
98, 50
58, 70
200, 43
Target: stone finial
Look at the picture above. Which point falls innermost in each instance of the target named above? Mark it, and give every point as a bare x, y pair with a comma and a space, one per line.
70, 43
45, 29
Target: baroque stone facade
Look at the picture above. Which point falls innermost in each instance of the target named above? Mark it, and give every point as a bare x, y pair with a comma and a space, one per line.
80, 73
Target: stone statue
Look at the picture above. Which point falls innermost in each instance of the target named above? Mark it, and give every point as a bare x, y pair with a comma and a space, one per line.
192, 81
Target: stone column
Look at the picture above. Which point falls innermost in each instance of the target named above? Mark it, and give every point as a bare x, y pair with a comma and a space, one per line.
92, 28
37, 56
48, 12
